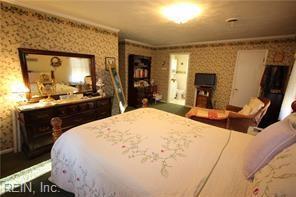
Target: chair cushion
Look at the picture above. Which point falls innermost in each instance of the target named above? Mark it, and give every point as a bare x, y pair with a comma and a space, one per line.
212, 114
268, 143
278, 177
255, 104
252, 107
246, 110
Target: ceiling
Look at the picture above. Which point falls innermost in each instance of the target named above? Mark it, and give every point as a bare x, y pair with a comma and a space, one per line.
141, 20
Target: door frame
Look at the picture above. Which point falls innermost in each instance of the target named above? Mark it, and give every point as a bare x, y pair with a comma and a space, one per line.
235, 73
169, 75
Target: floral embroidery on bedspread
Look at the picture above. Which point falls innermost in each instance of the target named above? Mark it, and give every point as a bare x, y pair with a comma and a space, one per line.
119, 132
77, 178
273, 172
173, 144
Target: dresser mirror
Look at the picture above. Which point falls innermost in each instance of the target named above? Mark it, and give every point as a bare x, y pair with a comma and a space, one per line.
53, 73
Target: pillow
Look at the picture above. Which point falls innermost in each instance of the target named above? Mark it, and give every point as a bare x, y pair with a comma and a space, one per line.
255, 104
269, 142
246, 110
278, 177
292, 120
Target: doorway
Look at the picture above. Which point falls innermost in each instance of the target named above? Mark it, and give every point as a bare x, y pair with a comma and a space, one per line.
247, 75
178, 78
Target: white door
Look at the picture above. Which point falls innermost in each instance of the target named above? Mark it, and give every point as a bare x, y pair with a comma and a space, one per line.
247, 75
177, 83
172, 79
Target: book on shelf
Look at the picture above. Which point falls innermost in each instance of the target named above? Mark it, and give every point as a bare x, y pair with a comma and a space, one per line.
140, 73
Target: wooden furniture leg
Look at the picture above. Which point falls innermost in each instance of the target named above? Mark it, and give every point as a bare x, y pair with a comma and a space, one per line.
56, 124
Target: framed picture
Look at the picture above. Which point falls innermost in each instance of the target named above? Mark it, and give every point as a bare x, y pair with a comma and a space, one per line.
110, 62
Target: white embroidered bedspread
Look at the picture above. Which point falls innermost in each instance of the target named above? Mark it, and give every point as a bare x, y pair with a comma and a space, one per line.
227, 179
145, 152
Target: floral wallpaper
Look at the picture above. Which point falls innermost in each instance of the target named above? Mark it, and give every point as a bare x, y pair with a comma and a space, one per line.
21, 27
216, 58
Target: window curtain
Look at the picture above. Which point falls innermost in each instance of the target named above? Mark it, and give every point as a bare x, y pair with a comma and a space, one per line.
290, 94
79, 69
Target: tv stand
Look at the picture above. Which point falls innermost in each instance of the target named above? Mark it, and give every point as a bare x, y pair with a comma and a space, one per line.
204, 96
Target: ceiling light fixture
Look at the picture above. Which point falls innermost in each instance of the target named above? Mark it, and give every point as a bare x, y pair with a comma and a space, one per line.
181, 12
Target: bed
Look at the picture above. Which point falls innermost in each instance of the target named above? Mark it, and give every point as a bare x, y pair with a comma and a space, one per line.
147, 152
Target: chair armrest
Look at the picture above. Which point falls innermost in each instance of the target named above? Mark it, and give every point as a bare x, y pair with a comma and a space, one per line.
240, 122
238, 115
233, 108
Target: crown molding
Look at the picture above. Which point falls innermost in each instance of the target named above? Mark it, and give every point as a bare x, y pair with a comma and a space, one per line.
137, 43
23, 4
228, 41
209, 42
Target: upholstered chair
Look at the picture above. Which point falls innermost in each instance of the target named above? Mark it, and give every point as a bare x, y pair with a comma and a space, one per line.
237, 121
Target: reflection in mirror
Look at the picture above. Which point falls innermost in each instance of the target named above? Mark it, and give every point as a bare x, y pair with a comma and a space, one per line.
64, 75
118, 88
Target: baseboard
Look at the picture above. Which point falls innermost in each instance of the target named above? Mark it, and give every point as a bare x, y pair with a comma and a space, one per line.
6, 151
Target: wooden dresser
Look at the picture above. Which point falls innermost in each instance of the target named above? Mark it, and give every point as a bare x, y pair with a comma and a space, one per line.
35, 127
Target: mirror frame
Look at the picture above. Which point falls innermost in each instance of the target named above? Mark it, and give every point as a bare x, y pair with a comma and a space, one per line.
116, 90
25, 51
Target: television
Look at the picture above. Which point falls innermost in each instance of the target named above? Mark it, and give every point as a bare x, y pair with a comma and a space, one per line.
205, 79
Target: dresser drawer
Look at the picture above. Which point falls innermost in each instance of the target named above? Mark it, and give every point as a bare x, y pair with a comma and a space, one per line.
67, 110
43, 141
86, 106
40, 129
40, 115
36, 127
79, 119
103, 114
103, 103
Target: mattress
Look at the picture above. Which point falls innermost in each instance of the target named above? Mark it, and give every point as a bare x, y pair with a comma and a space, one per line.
147, 152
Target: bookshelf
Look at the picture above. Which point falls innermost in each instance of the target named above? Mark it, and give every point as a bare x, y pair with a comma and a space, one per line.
139, 72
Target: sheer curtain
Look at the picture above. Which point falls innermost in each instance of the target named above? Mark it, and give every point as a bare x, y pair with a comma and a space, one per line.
79, 69
290, 94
